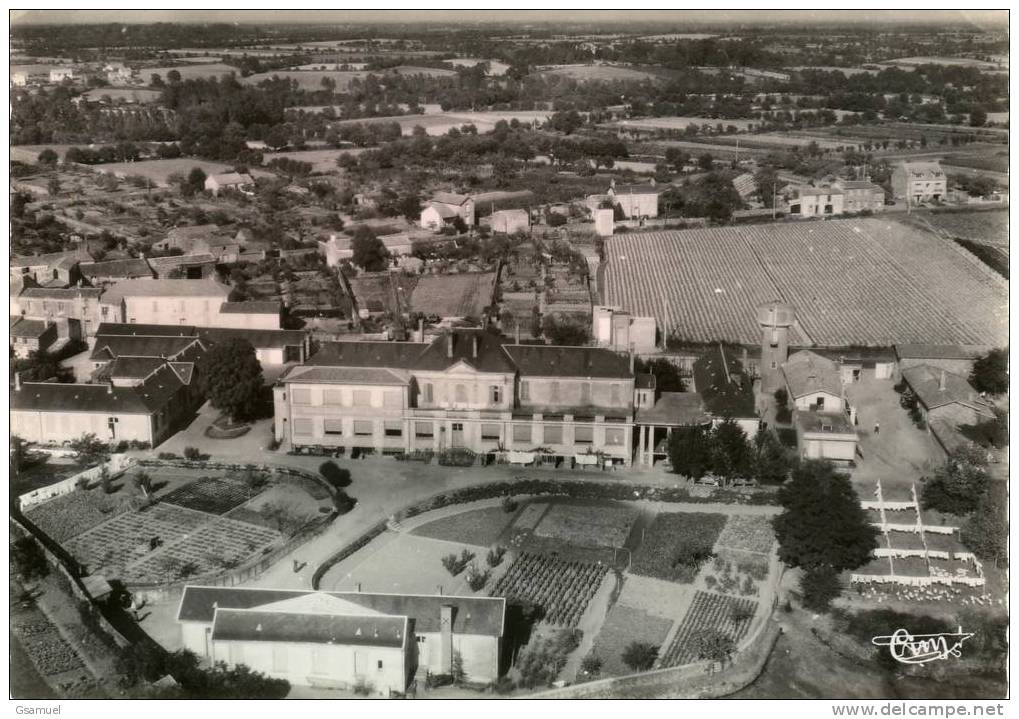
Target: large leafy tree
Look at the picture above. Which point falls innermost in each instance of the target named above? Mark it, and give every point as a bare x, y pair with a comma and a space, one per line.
231, 378
822, 528
369, 252
990, 372
640, 656
690, 451
667, 375
986, 531
958, 484
89, 450
731, 453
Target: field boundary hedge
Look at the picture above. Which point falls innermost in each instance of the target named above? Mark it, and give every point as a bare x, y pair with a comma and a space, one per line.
574, 489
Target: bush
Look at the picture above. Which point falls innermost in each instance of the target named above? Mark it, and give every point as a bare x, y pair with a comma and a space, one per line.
591, 664
495, 556
334, 474
194, 454
819, 587
363, 687
343, 502
509, 505
169, 455
676, 545
640, 656
476, 579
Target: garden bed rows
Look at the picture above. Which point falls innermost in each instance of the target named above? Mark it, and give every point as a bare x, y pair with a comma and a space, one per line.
70, 515
562, 589
213, 495
676, 545
747, 533
707, 612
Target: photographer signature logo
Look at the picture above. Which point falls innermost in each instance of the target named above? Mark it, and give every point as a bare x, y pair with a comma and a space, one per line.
922, 648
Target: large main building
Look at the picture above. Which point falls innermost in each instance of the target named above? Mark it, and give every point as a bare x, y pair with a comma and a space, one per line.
466, 389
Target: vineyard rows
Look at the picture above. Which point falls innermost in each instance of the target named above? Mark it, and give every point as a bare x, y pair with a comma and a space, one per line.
861, 281
562, 589
708, 611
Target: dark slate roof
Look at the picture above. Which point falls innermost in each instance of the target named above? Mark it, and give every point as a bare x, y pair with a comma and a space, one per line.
259, 339
348, 375
394, 355
807, 372
480, 349
926, 383
66, 294
116, 268
945, 352
124, 328
134, 367
471, 615
30, 329
676, 409
251, 625
112, 346
53, 397
826, 422
185, 370
268, 307
554, 361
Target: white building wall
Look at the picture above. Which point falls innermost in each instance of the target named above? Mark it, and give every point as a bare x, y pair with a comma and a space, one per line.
832, 403
202, 311
60, 427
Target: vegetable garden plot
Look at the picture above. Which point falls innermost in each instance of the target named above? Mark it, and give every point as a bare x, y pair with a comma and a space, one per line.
219, 544
708, 611
212, 495
114, 544
587, 525
73, 514
562, 589
676, 545
747, 533
624, 625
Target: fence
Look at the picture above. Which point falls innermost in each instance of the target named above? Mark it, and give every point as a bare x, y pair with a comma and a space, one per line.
117, 464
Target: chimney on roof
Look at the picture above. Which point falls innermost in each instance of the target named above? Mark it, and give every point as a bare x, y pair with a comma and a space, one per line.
421, 330
109, 387
449, 345
941, 381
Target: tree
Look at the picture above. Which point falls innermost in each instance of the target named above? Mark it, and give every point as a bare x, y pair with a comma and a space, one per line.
231, 377
990, 372
194, 183
822, 528
173, 77
977, 117
958, 484
986, 531
690, 451
369, 252
48, 157
731, 453
142, 482
337, 476
566, 122
819, 587
564, 332
772, 461
640, 656
713, 644
28, 559
591, 664
276, 138
89, 450
706, 161
666, 374
53, 186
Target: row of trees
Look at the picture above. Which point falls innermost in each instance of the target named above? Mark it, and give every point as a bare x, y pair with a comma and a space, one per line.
725, 452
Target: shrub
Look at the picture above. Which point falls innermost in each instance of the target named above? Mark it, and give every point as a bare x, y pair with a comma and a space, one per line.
194, 454
509, 505
640, 656
343, 502
476, 579
495, 556
169, 455
334, 474
363, 687
591, 664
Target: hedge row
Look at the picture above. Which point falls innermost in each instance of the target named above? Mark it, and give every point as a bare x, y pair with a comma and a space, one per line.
535, 487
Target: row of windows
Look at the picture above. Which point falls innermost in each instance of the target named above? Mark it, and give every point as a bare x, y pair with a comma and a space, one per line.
358, 398
460, 394
554, 392
550, 434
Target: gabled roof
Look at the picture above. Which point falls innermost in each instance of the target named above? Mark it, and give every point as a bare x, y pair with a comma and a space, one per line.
259, 339
860, 185
108, 347
807, 372
126, 289
116, 268
924, 170
185, 371
65, 294
232, 178
27, 329
51, 259
926, 382
144, 330
348, 375
471, 615
147, 398
134, 367
164, 264
684, 409
480, 349
445, 212
252, 625
450, 198
945, 352
555, 361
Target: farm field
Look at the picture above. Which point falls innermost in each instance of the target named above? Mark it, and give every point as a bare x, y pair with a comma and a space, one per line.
159, 170
676, 545
989, 227
464, 295
996, 162
323, 162
561, 588
312, 79
708, 611
863, 281
624, 625
190, 71
677, 123
607, 73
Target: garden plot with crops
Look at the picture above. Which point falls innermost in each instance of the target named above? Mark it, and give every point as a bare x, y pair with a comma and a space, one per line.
677, 544
561, 588
480, 527
213, 495
623, 626
747, 533
708, 612
587, 525
62, 518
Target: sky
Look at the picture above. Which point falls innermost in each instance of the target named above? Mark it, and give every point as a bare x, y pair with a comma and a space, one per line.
981, 18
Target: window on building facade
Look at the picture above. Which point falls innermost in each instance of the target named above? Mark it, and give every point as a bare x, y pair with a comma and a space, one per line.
427, 391
300, 396
333, 397
613, 436
363, 428
424, 429
461, 394
495, 394
525, 391
332, 426
490, 431
553, 434
583, 433
521, 433
380, 664
362, 398
393, 428
304, 426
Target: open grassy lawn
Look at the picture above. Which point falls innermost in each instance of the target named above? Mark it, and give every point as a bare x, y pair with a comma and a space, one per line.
480, 527
160, 170
623, 626
676, 545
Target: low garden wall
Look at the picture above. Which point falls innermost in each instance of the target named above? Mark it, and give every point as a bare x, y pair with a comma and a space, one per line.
116, 465
575, 488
